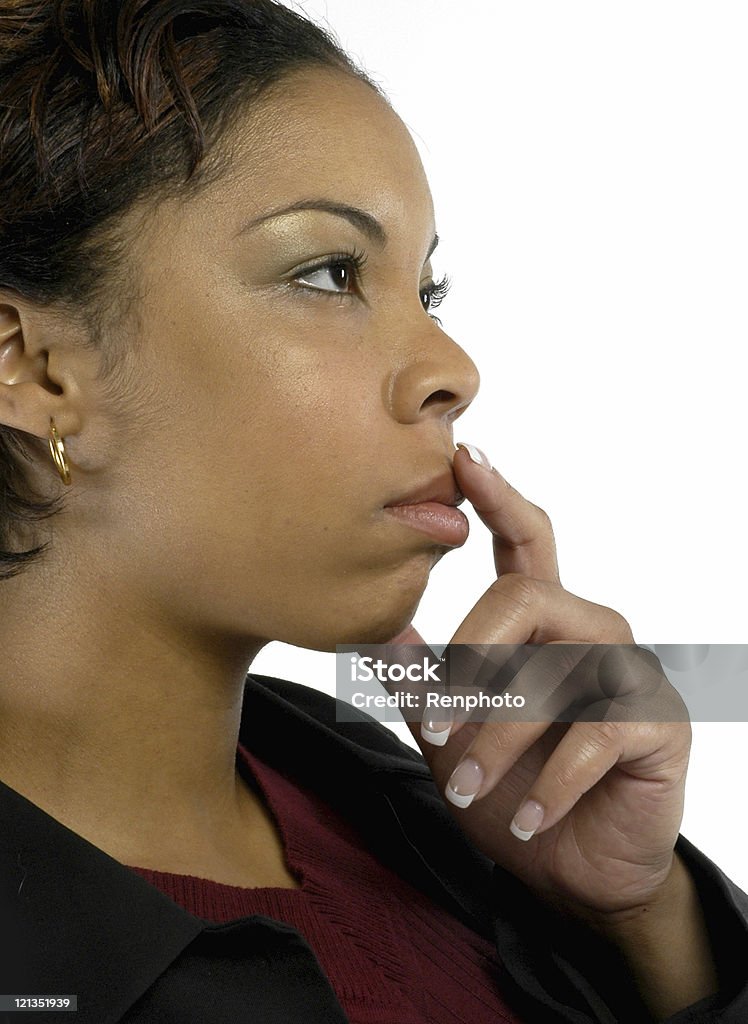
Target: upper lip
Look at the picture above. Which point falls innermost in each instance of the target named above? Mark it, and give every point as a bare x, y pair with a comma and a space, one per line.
442, 489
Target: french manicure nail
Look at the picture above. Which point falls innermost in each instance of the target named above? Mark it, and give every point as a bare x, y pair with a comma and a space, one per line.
436, 732
527, 820
479, 457
464, 782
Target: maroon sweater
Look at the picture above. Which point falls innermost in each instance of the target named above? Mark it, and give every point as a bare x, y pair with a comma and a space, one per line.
391, 954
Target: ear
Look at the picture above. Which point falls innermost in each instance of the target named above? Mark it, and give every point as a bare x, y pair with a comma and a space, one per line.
39, 370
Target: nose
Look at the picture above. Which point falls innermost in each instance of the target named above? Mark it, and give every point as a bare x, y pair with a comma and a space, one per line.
439, 380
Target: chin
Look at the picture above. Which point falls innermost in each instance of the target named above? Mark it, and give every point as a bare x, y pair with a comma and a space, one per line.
374, 614
385, 630
375, 630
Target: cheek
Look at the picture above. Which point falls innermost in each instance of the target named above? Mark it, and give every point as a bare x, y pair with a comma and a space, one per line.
291, 437
312, 426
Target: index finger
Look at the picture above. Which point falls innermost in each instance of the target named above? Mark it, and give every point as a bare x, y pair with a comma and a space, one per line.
523, 540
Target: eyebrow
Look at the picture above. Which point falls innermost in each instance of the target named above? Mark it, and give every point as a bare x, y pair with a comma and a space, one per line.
360, 219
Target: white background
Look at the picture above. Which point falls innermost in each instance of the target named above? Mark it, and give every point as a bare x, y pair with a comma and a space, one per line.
589, 163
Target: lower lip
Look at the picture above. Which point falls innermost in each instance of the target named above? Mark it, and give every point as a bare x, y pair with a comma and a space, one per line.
445, 524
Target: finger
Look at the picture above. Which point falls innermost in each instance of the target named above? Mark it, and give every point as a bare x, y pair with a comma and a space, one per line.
546, 686
585, 754
470, 669
523, 540
495, 684
434, 727
518, 609
562, 681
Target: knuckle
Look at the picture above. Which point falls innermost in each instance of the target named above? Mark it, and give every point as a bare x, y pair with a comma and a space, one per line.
683, 733
605, 735
565, 775
543, 516
620, 624
522, 589
496, 739
568, 770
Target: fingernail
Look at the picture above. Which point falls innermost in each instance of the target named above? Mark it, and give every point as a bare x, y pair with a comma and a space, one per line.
464, 782
479, 457
436, 732
527, 820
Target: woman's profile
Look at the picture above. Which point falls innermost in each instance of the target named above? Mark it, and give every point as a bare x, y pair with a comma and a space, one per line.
227, 417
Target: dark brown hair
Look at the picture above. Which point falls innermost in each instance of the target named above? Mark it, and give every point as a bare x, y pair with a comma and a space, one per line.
104, 103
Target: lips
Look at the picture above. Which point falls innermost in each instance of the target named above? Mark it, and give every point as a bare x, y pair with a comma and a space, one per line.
431, 509
442, 490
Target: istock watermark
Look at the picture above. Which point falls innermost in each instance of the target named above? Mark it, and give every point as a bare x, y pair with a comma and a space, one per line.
543, 682
363, 670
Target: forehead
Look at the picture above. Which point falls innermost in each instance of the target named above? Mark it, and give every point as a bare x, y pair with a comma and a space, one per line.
322, 132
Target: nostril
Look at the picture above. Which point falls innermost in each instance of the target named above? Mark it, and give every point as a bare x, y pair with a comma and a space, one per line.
439, 397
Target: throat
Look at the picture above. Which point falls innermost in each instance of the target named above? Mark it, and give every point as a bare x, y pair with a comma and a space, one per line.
252, 855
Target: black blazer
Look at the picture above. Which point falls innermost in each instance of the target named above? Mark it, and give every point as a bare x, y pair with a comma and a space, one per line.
74, 921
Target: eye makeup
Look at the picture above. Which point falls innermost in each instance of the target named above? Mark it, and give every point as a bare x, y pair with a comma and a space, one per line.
345, 269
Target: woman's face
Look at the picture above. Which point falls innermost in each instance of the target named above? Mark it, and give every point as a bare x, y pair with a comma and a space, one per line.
281, 403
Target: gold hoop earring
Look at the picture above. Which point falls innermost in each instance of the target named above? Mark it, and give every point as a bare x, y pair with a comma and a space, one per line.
57, 448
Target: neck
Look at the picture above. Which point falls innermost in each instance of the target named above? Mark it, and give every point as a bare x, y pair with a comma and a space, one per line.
122, 726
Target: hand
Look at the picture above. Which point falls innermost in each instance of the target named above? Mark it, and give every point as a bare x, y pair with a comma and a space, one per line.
610, 791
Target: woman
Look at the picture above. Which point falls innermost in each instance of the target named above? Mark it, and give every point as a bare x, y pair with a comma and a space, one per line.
219, 369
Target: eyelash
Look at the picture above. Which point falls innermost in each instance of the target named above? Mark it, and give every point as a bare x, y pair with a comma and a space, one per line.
438, 291
356, 260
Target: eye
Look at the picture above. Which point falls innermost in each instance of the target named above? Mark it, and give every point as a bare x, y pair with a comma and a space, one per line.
337, 274
433, 294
